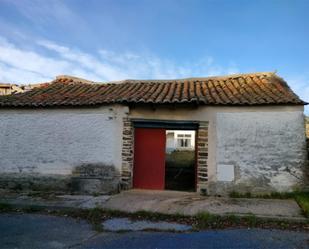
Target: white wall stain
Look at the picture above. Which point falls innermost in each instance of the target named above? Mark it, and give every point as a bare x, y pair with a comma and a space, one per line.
265, 146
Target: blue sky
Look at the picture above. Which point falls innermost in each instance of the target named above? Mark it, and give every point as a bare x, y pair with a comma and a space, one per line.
112, 40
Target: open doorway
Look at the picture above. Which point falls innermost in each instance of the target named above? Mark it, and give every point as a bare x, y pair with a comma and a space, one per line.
180, 160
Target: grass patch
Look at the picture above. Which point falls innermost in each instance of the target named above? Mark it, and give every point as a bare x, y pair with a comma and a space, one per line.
251, 220
5, 207
303, 201
181, 158
32, 209
94, 216
155, 216
201, 221
235, 194
205, 220
273, 195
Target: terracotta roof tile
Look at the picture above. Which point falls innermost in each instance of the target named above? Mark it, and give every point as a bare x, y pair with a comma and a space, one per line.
242, 89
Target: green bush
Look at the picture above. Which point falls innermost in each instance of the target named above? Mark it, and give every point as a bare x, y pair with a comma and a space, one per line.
181, 158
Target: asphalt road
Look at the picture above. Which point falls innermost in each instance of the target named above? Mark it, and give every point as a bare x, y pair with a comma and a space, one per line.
43, 231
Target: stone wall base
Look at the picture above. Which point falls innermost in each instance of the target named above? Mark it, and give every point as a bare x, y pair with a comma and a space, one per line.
95, 178
35, 182
95, 186
226, 188
68, 184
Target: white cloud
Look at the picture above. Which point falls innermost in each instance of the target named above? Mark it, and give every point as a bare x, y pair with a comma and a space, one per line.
50, 59
80, 59
11, 74
29, 60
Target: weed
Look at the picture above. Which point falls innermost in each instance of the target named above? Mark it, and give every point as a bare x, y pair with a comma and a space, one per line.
207, 220
97, 227
272, 195
203, 220
5, 207
156, 216
233, 219
94, 216
282, 195
251, 220
235, 194
303, 201
32, 209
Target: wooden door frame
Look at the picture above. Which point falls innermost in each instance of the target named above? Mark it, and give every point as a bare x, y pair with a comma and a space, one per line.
165, 124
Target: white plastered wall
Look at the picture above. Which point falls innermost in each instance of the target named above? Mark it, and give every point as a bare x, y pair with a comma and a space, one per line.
261, 148
55, 141
248, 121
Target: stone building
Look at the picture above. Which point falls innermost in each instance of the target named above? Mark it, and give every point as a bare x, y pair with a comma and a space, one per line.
180, 140
104, 137
6, 89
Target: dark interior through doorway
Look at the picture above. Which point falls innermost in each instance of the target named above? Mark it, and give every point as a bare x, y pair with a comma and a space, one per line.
180, 160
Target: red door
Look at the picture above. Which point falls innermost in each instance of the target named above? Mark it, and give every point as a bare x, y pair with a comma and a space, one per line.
149, 159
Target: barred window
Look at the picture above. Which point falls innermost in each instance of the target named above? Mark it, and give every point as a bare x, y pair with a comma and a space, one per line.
184, 140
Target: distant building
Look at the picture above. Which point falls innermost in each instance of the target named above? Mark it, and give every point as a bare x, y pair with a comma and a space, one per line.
180, 140
6, 89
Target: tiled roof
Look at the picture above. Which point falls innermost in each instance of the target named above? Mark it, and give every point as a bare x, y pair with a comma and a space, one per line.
242, 89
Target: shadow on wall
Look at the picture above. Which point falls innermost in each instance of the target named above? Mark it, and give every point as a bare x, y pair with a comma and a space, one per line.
95, 178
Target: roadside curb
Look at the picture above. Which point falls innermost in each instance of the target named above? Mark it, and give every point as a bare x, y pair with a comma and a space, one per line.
39, 206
